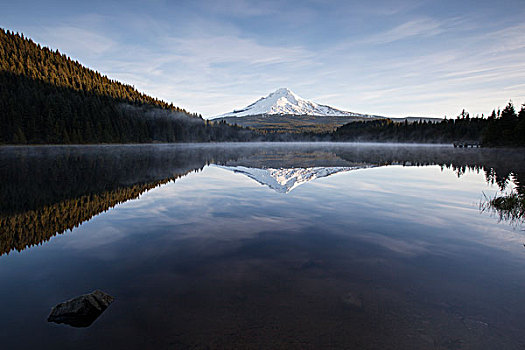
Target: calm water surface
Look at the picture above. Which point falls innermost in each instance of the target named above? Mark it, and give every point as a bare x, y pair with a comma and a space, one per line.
262, 246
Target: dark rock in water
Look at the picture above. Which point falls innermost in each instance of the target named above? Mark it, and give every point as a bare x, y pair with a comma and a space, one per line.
81, 311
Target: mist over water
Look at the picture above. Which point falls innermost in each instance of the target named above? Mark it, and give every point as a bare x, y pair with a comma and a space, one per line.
393, 252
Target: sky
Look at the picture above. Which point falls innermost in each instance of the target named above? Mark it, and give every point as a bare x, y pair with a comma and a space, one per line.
394, 58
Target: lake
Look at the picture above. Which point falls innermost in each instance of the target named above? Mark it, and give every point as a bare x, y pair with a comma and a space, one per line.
285, 245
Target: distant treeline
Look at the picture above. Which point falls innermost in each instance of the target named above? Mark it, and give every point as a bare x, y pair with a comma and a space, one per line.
502, 128
46, 97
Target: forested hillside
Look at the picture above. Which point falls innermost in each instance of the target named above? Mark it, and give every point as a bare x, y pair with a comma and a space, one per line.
46, 97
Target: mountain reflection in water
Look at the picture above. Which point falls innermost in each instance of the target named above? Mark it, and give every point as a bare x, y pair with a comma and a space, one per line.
382, 246
283, 180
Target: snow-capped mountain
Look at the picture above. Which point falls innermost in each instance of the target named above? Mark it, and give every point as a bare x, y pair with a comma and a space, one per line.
283, 180
285, 102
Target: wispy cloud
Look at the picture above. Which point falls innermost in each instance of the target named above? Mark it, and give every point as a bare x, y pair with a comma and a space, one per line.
240, 8
216, 50
82, 41
508, 39
420, 27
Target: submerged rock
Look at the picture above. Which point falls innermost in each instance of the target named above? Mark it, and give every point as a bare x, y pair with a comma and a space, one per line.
81, 311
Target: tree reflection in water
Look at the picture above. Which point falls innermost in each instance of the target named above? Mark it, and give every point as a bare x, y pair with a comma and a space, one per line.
509, 204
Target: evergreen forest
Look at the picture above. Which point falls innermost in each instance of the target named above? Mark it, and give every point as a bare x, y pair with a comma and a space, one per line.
501, 128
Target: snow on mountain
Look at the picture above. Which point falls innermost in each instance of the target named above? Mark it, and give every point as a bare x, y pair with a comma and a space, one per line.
283, 180
284, 101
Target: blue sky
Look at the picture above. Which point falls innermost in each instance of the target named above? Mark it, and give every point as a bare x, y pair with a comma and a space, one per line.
393, 58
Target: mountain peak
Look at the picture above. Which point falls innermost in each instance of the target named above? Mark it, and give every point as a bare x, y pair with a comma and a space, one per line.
283, 92
283, 101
